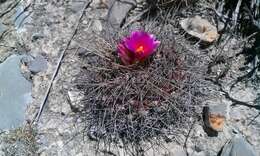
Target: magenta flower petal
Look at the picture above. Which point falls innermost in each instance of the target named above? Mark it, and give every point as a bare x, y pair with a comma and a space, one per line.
137, 47
126, 56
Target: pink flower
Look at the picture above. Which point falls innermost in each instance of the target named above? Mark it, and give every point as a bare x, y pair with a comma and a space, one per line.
137, 47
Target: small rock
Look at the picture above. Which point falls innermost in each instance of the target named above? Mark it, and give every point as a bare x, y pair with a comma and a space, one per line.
220, 26
37, 36
119, 11
215, 116
97, 25
75, 98
200, 28
238, 146
38, 64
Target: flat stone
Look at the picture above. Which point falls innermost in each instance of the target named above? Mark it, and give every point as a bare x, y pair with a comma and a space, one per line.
215, 116
38, 64
200, 28
238, 146
220, 26
75, 99
119, 11
15, 93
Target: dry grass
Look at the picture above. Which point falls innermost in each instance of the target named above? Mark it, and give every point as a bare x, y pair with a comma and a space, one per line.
19, 142
171, 3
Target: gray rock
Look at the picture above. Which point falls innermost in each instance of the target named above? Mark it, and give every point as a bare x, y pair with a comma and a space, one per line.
238, 146
119, 11
220, 26
75, 98
218, 108
15, 93
38, 64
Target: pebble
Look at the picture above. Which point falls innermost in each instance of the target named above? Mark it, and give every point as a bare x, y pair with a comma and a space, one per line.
39, 64
76, 100
200, 28
37, 36
215, 116
220, 26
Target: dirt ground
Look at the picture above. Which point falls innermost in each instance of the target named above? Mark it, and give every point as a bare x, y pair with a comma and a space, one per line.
51, 26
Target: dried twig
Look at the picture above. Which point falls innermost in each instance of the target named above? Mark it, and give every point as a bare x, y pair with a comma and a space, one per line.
136, 18
233, 100
22, 12
10, 9
187, 137
235, 14
247, 75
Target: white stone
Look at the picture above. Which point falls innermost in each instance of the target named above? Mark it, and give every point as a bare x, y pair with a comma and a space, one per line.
97, 25
200, 28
